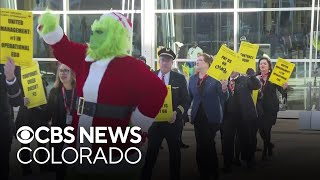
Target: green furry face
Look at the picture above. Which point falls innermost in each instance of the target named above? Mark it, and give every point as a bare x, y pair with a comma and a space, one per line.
109, 38
97, 38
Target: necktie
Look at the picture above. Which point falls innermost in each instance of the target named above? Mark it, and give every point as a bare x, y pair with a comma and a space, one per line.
162, 78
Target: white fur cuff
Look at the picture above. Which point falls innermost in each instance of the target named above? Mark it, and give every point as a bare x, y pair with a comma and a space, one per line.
140, 120
52, 37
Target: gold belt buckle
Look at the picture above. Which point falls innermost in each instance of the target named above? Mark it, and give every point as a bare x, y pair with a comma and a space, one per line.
80, 106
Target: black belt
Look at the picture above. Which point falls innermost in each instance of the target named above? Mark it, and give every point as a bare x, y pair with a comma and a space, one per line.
102, 110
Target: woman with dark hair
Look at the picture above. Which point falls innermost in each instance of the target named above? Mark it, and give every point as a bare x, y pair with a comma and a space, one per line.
207, 95
268, 104
61, 105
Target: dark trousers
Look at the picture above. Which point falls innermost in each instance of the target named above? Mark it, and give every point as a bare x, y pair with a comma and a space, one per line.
157, 132
238, 132
180, 125
59, 169
4, 161
25, 155
206, 154
267, 121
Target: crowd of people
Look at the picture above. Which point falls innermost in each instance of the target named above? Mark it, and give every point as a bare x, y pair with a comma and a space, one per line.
226, 106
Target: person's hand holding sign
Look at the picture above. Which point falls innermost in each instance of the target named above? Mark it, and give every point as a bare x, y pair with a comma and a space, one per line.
224, 85
174, 116
9, 68
285, 85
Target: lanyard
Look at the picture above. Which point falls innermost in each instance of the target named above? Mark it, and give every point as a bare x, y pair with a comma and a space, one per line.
200, 81
65, 100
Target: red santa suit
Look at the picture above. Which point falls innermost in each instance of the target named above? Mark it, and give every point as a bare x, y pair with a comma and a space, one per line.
116, 81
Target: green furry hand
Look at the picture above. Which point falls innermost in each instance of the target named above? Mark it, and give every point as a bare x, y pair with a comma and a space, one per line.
48, 22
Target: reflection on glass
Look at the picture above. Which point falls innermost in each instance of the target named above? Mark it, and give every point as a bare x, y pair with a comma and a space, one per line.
297, 82
102, 4
274, 3
279, 34
39, 5
80, 30
40, 48
194, 4
208, 30
48, 71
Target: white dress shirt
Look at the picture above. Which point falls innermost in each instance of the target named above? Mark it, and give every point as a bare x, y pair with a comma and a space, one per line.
166, 77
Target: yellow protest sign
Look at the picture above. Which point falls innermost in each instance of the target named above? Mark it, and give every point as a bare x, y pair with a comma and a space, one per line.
16, 36
186, 70
248, 53
166, 110
255, 96
223, 64
32, 85
281, 72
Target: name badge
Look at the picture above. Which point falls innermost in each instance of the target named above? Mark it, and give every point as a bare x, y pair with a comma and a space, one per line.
69, 119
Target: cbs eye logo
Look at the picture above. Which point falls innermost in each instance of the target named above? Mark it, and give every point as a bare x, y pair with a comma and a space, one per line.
25, 135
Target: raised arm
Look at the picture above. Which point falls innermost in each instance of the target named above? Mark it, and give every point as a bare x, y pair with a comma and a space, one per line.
253, 82
14, 90
70, 53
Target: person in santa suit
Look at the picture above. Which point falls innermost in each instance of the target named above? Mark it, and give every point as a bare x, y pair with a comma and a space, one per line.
115, 89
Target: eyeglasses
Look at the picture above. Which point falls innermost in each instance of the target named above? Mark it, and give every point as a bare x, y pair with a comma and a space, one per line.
64, 71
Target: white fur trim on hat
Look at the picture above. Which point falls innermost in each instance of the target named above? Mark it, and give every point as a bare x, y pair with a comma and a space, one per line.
52, 37
121, 18
140, 120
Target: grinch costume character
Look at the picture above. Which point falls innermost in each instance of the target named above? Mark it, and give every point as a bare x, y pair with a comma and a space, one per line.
116, 90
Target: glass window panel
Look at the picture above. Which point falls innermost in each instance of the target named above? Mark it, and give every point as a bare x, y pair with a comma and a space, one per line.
102, 4
80, 29
299, 78
280, 34
194, 4
296, 98
274, 3
40, 48
39, 5
209, 30
315, 43
48, 70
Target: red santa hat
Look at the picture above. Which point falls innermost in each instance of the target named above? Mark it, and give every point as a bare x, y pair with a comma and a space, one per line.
121, 18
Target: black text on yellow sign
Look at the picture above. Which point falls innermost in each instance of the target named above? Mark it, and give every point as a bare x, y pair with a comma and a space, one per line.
166, 111
248, 53
223, 64
32, 85
16, 36
281, 72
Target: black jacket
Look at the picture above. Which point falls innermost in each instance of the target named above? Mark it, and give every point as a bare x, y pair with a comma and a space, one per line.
179, 91
56, 107
268, 101
9, 96
241, 101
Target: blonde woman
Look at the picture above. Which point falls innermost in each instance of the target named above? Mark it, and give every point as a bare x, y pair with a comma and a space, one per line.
61, 105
